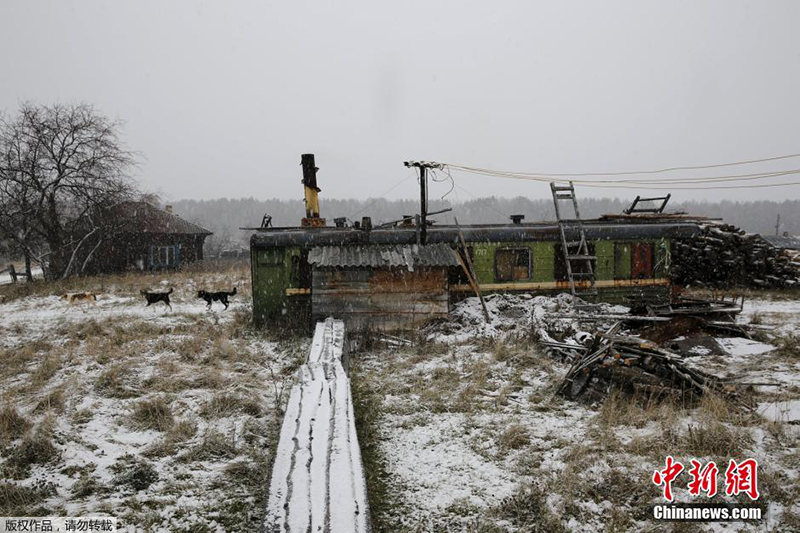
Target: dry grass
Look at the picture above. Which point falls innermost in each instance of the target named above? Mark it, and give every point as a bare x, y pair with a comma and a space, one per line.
214, 446
35, 449
82, 416
52, 401
528, 511
154, 413
46, 370
225, 404
133, 473
116, 382
206, 273
103, 365
15, 360
789, 347
514, 437
20, 500
180, 432
12, 424
622, 409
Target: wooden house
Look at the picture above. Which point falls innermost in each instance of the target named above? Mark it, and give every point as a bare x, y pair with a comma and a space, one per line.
306, 270
149, 238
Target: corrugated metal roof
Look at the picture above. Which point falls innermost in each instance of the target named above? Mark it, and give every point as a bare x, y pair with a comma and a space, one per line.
789, 242
383, 256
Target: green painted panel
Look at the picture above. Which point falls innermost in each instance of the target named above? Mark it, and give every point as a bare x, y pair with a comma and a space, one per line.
604, 251
622, 260
269, 283
543, 261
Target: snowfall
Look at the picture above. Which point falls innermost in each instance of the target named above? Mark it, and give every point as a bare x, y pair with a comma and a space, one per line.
466, 417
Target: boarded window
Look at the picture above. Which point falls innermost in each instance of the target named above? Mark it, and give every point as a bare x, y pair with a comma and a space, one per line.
511, 264
642, 260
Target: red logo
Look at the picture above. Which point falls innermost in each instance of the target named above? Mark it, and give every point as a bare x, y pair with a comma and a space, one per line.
740, 477
666, 476
703, 479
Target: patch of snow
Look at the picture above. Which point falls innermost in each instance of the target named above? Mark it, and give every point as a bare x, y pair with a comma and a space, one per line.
737, 346
781, 411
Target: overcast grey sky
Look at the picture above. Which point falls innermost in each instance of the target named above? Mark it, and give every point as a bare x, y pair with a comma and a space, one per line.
222, 97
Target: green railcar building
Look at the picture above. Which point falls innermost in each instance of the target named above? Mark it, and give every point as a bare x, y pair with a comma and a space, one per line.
383, 277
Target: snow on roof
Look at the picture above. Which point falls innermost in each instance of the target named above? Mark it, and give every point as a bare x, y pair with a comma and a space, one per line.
789, 242
383, 256
147, 218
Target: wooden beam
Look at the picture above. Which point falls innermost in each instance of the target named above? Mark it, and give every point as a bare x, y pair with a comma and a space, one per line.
473, 280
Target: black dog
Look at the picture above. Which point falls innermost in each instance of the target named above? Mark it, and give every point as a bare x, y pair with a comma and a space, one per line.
220, 296
155, 297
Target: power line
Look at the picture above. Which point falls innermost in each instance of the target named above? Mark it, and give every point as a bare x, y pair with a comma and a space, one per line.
631, 172
381, 197
481, 202
647, 184
670, 188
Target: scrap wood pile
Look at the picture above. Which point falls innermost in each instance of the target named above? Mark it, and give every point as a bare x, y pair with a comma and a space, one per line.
610, 357
723, 255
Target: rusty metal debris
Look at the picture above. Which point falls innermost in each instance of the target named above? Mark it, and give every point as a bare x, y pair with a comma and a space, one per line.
611, 356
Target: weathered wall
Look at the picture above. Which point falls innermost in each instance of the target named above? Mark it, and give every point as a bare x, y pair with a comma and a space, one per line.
380, 298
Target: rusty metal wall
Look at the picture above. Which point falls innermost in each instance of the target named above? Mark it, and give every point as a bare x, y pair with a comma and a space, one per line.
384, 299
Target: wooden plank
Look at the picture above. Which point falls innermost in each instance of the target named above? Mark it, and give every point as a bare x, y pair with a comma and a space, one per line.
317, 481
471, 272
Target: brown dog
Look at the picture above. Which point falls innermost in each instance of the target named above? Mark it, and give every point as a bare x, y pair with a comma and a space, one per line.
77, 298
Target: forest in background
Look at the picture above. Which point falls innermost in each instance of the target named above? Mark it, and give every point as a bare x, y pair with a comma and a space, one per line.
224, 216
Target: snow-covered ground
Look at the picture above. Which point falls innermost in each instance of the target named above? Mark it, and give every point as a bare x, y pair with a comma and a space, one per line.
163, 419
473, 437
168, 419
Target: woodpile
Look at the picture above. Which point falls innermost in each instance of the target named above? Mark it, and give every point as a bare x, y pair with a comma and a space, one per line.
609, 357
724, 256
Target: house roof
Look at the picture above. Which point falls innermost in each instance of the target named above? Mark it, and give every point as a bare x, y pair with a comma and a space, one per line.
147, 218
383, 256
548, 231
787, 242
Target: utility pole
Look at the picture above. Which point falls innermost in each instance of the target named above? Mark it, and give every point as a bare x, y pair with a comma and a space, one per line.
778, 225
423, 167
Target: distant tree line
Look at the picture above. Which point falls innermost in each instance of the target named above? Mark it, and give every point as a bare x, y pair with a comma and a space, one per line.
225, 216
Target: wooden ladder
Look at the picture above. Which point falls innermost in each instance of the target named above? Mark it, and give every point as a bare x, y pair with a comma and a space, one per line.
575, 252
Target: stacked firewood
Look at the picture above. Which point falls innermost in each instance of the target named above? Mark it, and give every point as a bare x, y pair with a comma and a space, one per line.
724, 256
643, 366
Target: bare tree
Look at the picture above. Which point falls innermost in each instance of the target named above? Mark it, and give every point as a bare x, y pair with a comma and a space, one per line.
62, 168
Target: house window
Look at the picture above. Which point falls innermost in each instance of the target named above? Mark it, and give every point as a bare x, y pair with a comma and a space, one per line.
511, 264
578, 266
166, 255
